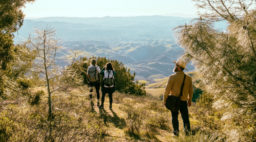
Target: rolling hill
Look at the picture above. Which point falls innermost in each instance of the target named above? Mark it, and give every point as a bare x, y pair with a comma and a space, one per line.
144, 44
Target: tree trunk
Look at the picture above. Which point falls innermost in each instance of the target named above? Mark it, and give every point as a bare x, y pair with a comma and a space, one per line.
47, 79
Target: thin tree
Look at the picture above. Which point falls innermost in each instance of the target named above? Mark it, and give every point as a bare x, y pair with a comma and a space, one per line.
46, 46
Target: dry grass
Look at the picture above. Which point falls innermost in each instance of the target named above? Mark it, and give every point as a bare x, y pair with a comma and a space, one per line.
157, 89
157, 92
77, 118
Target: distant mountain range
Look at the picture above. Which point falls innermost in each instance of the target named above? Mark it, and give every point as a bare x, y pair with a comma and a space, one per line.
149, 59
107, 28
147, 45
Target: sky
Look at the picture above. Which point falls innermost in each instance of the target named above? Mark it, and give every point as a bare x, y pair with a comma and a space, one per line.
113, 8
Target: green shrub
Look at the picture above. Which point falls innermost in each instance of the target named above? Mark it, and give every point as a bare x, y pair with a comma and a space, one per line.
124, 78
24, 83
1, 87
35, 99
7, 127
136, 88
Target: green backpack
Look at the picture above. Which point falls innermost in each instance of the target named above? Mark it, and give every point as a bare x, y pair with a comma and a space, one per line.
109, 79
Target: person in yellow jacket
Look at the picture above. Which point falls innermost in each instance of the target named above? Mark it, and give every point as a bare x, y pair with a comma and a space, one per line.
173, 87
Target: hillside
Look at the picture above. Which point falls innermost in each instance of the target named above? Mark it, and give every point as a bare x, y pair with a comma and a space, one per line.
144, 44
149, 59
77, 118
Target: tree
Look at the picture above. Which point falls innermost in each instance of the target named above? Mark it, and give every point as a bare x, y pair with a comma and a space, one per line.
11, 19
226, 60
46, 46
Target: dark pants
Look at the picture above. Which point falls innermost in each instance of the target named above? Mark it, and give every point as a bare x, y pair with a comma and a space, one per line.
185, 117
97, 88
110, 91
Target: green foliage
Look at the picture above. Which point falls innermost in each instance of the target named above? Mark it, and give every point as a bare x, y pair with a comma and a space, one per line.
196, 94
124, 79
6, 129
6, 50
11, 19
11, 16
35, 99
16, 77
136, 88
24, 83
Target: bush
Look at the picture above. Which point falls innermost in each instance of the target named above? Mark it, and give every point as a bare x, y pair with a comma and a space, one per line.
24, 83
136, 88
6, 129
124, 78
35, 99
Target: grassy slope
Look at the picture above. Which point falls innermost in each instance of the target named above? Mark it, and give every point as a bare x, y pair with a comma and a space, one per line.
157, 89
77, 118
154, 121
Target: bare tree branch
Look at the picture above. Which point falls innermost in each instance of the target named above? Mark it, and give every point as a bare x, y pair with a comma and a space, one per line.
219, 13
243, 7
229, 13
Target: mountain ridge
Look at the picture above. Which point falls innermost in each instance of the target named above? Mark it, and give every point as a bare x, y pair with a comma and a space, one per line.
144, 44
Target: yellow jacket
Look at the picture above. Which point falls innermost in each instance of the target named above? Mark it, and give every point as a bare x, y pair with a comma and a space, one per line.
174, 85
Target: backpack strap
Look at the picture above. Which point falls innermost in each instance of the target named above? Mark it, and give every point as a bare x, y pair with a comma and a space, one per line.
109, 71
182, 86
96, 75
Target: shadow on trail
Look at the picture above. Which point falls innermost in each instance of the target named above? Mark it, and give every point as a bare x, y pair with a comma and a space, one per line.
115, 119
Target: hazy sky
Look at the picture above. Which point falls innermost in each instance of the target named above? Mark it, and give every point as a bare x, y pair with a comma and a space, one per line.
101, 8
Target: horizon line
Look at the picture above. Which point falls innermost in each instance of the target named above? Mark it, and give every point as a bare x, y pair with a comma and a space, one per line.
190, 17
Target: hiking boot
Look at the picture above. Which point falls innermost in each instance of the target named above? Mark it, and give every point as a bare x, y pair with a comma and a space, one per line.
188, 133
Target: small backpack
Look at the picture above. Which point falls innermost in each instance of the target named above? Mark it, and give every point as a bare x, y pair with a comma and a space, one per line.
93, 74
109, 79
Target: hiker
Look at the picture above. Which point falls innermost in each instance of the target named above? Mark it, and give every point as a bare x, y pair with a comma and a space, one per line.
108, 84
178, 96
93, 75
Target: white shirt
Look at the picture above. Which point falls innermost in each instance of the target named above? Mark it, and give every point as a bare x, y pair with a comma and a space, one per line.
97, 67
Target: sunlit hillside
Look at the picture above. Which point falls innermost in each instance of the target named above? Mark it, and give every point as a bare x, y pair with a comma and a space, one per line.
48, 64
77, 118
